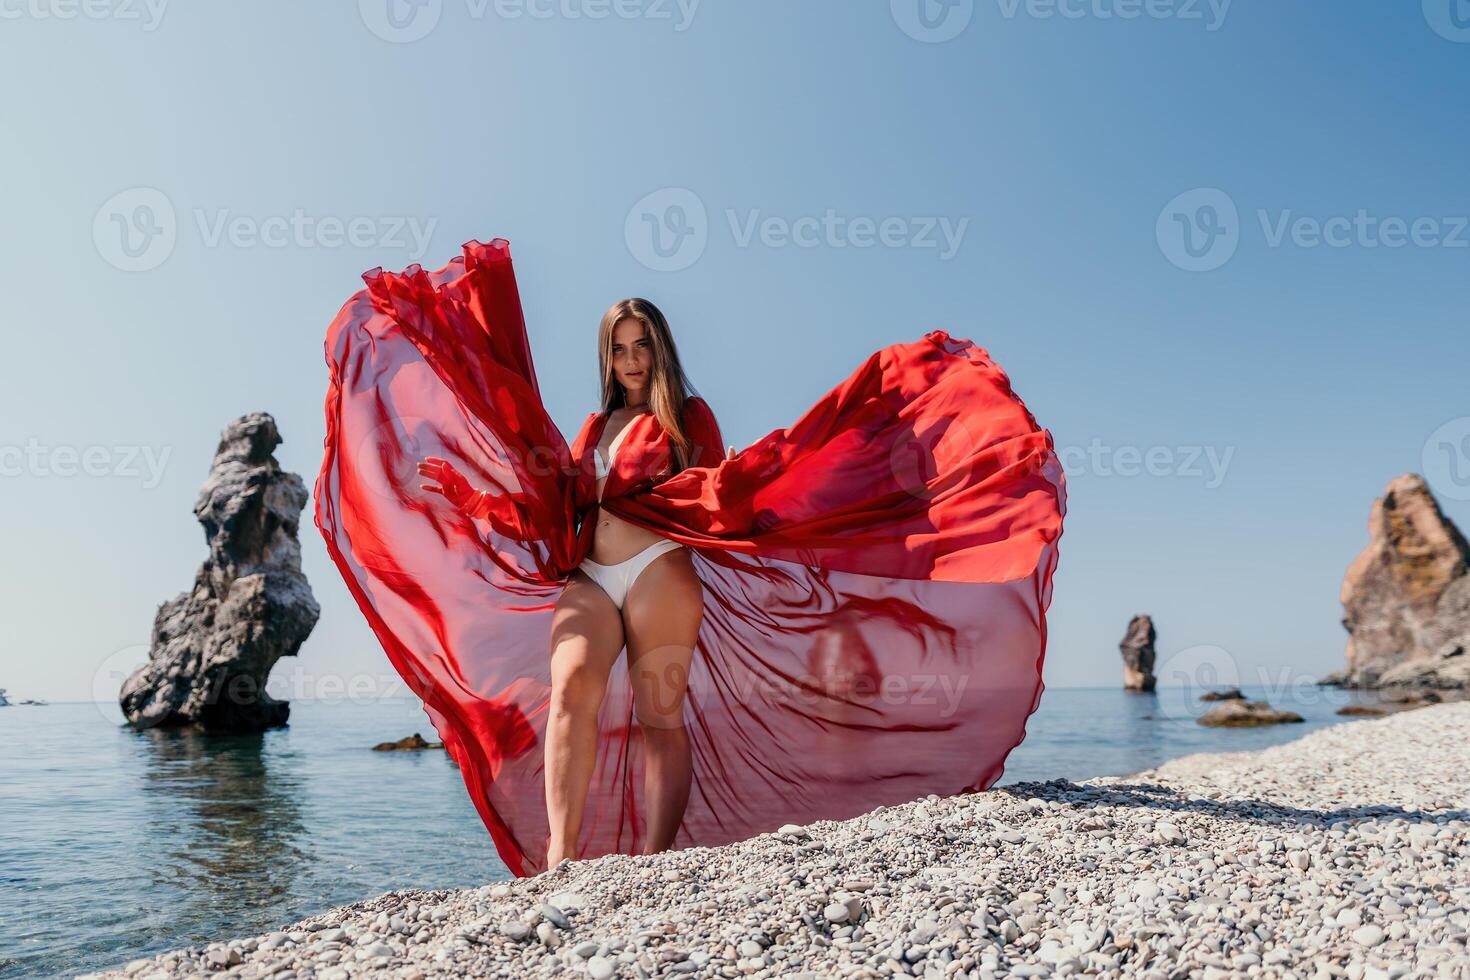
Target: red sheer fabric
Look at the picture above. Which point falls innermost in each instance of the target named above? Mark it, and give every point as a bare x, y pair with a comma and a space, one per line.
876, 576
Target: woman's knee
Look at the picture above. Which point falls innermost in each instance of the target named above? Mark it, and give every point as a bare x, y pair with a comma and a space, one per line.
586, 638
661, 720
664, 731
578, 686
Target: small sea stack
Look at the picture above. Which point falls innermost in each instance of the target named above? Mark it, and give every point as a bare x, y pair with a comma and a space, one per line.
213, 647
1137, 649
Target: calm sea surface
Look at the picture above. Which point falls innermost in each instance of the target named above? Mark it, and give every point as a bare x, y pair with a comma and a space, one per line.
116, 844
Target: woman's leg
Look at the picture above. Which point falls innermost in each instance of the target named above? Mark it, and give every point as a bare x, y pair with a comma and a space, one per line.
586, 638
661, 617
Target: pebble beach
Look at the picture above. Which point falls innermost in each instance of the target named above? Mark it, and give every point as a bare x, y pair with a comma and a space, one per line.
1341, 854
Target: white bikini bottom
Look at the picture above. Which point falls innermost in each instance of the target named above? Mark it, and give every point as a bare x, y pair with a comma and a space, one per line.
617, 579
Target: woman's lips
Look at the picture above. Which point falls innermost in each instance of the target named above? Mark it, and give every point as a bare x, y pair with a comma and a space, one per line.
631, 375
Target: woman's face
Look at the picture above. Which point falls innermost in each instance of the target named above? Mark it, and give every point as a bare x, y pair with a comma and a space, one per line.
632, 357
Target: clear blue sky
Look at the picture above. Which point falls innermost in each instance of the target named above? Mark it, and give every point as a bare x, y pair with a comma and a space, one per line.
1050, 141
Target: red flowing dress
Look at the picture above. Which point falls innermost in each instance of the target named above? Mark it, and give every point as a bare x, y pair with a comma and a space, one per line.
876, 576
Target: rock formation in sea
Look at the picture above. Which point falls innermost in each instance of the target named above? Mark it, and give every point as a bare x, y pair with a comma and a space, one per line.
412, 743
1137, 649
1240, 713
1406, 598
213, 647
3, 703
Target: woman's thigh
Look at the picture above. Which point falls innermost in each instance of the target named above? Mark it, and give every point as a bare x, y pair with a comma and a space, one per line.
661, 618
586, 638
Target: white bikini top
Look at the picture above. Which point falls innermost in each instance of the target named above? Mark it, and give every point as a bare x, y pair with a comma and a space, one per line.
604, 467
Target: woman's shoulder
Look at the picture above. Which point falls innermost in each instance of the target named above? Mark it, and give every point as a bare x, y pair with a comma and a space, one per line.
703, 432
579, 444
698, 411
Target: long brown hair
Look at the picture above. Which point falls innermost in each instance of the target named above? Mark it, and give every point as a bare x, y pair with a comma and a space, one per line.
669, 386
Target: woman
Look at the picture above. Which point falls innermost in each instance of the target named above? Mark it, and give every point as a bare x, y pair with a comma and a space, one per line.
848, 613
637, 588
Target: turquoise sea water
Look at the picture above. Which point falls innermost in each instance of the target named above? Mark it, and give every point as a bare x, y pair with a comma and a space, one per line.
116, 844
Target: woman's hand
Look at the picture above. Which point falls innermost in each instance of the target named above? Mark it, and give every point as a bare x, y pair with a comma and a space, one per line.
505, 511
451, 482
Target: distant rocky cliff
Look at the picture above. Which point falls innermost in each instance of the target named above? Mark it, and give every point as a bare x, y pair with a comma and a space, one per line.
1406, 598
213, 647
